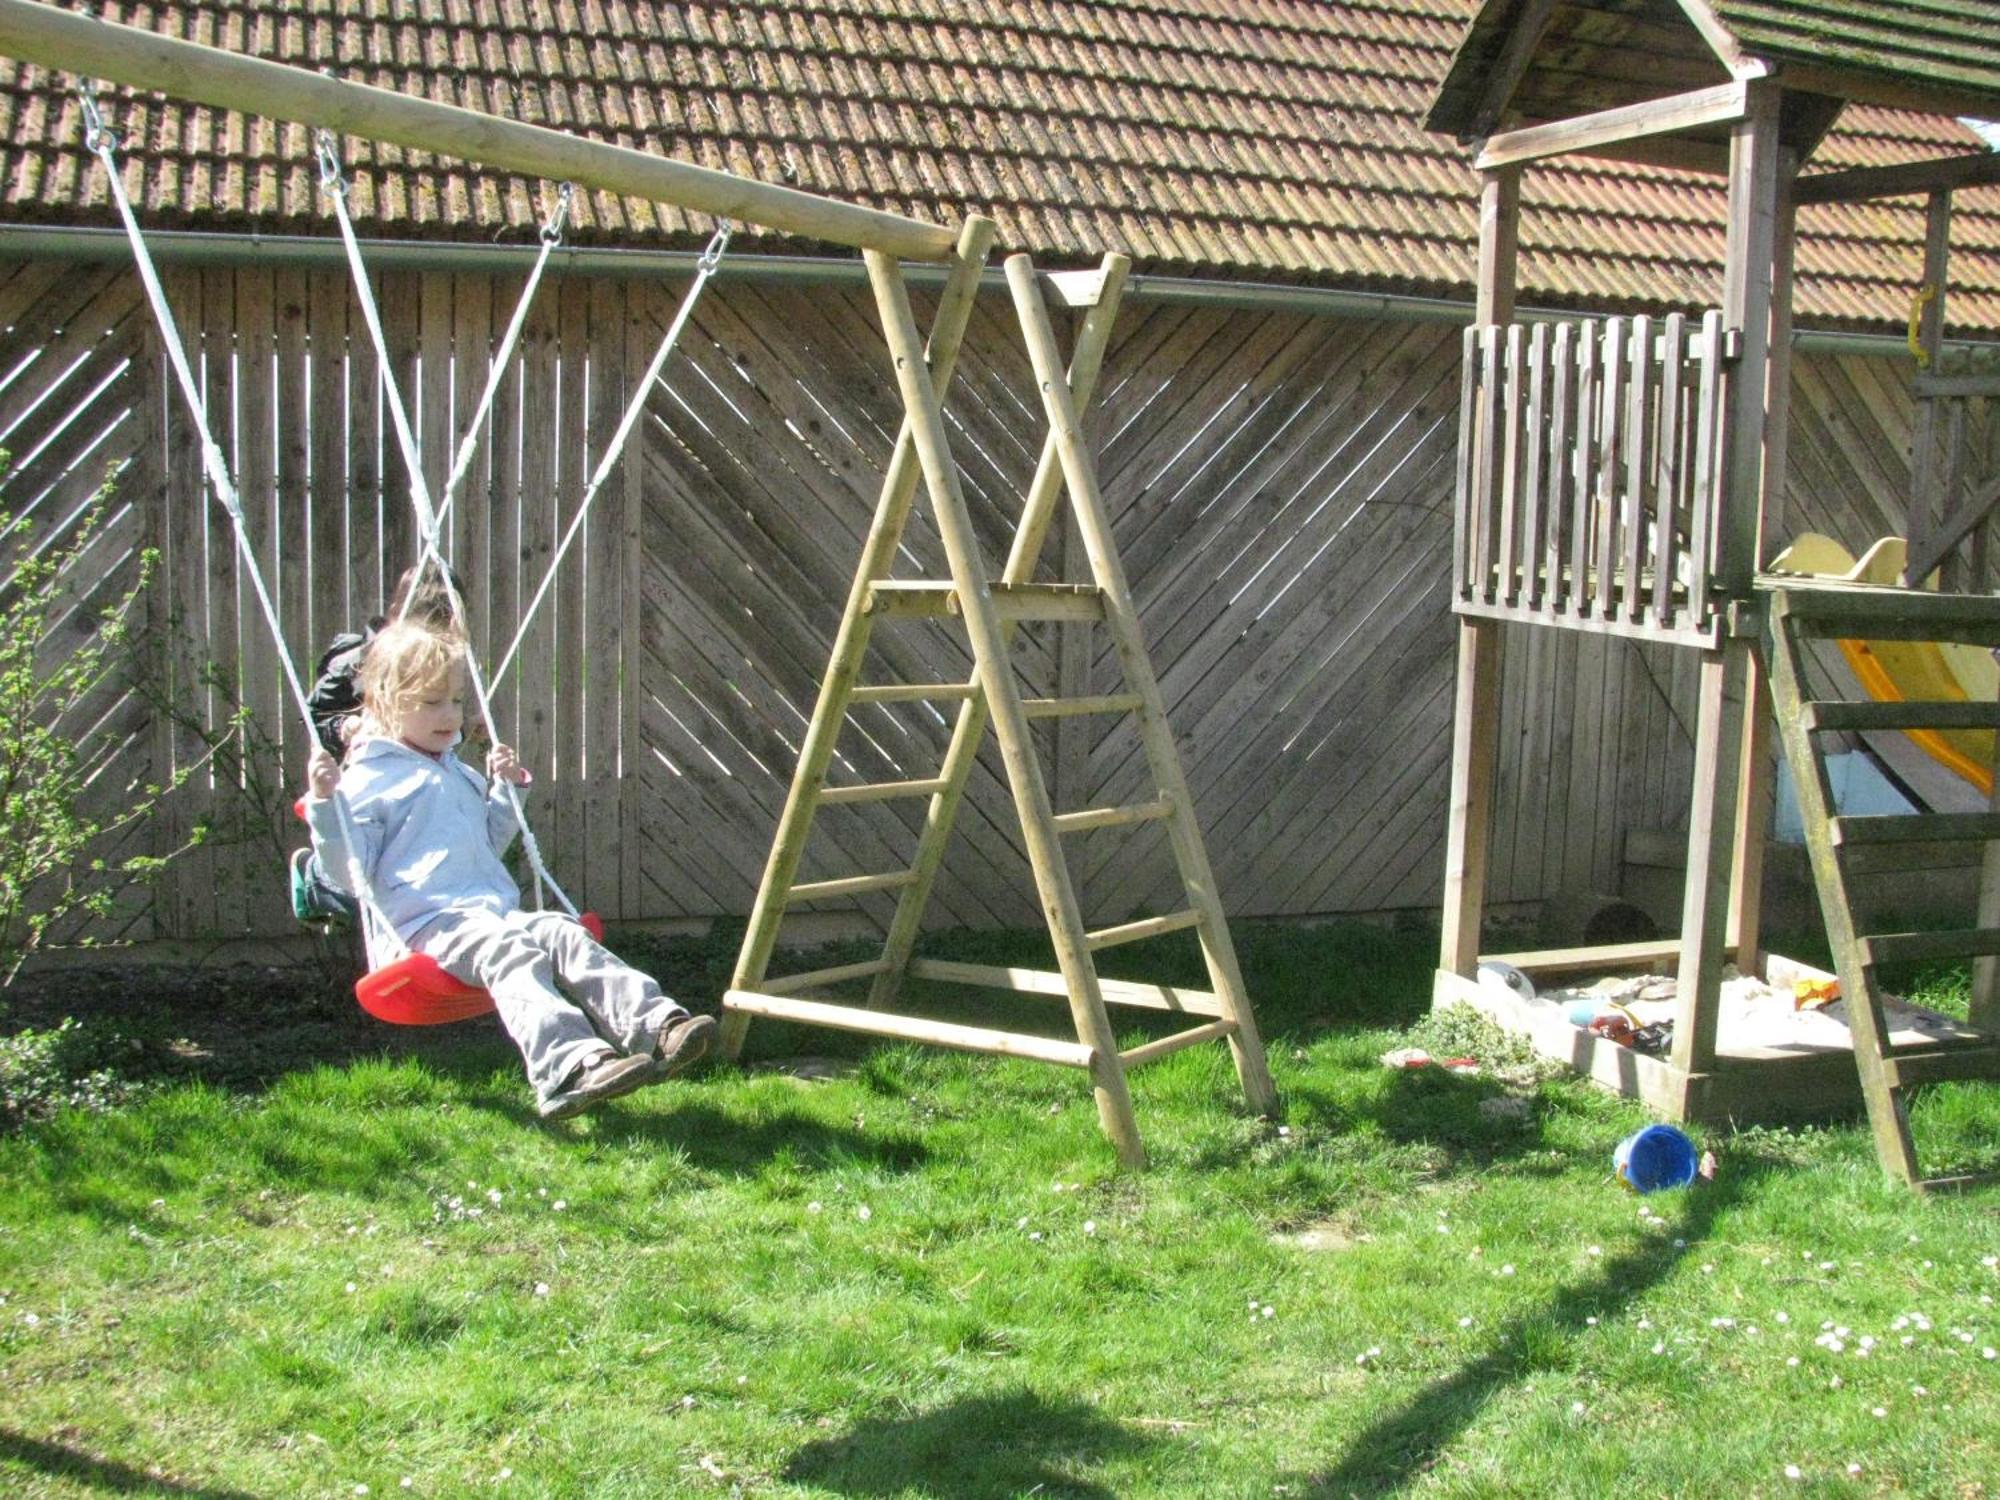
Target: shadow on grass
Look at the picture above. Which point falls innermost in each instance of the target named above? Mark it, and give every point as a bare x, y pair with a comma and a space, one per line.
716, 1141
56, 1461
1017, 1443
1404, 1444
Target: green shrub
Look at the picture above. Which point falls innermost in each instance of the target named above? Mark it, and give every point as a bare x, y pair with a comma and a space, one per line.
66, 1066
58, 648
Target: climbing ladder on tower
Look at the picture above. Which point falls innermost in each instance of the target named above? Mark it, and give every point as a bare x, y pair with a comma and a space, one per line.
1797, 613
990, 611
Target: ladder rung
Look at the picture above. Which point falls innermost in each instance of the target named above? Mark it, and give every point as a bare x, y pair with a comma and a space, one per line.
1134, 1056
813, 979
882, 791
912, 692
851, 885
1049, 982
1890, 614
1906, 947
1132, 932
910, 1028
931, 598
1112, 817
1063, 708
1917, 713
1931, 1063
1916, 828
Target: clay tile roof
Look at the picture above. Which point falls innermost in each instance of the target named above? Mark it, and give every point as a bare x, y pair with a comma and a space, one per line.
1256, 140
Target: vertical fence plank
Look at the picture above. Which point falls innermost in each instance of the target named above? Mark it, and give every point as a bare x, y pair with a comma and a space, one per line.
1535, 464
1589, 404
330, 606
602, 647
1666, 477
567, 602
1487, 440
1639, 349
1466, 503
1604, 499
1707, 466
1562, 396
472, 300
1506, 587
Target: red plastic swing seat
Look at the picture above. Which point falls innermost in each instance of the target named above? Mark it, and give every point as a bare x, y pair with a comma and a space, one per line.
415, 990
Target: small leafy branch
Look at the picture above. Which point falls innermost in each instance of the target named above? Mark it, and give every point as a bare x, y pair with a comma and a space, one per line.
51, 864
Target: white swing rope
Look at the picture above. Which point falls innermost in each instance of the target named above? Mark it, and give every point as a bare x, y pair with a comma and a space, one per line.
705, 267
102, 142
335, 185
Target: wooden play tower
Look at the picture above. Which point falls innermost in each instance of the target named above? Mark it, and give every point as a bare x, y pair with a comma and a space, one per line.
1621, 475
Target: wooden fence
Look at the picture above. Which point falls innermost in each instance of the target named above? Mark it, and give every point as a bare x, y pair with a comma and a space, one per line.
1281, 485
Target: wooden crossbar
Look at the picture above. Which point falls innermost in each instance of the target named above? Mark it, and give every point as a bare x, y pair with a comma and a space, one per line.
849, 885
1048, 982
1918, 947
1113, 817
1917, 828
1064, 708
1918, 713
1943, 1063
1132, 1057
1146, 927
882, 791
911, 1028
931, 599
817, 979
913, 692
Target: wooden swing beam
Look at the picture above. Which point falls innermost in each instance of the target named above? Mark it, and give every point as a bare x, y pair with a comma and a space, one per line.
141, 59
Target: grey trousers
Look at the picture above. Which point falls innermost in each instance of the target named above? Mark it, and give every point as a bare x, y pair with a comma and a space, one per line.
519, 957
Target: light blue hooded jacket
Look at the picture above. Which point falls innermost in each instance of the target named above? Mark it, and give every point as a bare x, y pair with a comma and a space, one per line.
429, 836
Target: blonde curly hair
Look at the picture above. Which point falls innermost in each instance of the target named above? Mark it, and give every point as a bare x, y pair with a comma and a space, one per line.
403, 665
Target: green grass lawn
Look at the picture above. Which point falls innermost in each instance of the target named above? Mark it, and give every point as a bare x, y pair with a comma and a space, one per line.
924, 1276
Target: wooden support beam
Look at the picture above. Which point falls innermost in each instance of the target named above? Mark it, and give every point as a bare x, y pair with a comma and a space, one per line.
1498, 86
1951, 531
1723, 104
191, 72
1920, 525
1047, 982
1151, 1051
1859, 184
910, 1028
818, 979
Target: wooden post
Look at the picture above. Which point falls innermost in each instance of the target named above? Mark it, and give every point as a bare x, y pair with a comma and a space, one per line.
1755, 771
1754, 175
1476, 718
1924, 513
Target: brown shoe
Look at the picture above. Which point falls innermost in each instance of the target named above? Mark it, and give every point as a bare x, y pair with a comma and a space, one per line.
604, 1077
683, 1042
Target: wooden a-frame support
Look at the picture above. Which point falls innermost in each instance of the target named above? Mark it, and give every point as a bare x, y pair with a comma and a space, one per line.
989, 611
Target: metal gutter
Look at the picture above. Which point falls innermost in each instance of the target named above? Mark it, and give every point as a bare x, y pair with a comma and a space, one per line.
192, 247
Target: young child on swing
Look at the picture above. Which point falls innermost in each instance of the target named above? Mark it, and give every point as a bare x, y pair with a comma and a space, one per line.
429, 832
335, 702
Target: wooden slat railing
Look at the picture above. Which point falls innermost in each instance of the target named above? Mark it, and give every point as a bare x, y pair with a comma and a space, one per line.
1588, 474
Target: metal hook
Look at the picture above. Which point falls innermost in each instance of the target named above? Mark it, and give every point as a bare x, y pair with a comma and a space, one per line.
331, 179
552, 232
718, 242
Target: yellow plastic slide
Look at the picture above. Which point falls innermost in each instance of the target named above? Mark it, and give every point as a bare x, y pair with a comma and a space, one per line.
1914, 671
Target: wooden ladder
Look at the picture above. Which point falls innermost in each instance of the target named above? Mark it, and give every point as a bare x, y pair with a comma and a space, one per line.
1795, 615
990, 611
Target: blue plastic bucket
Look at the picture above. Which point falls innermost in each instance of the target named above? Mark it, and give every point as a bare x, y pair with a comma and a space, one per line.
1657, 1157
